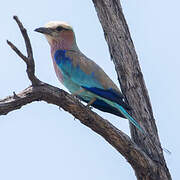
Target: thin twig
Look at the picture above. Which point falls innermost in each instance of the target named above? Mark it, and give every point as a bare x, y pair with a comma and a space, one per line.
28, 60
17, 51
25, 36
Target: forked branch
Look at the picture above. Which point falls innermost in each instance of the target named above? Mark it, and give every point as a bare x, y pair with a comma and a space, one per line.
29, 60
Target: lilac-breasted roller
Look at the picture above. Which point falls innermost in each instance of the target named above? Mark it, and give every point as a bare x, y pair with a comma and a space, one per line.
82, 76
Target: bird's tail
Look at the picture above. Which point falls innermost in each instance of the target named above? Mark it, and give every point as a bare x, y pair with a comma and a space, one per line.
135, 123
130, 118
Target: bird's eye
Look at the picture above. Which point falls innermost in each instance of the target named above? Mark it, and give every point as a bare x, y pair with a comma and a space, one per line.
59, 28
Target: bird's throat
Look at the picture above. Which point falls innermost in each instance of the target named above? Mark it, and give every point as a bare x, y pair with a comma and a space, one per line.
60, 44
66, 41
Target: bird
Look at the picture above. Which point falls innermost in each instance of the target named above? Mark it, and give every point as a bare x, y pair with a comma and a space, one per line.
81, 76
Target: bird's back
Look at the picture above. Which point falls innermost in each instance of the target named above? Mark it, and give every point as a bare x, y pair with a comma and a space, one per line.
90, 71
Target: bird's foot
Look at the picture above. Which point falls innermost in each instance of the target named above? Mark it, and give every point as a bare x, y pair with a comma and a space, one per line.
91, 102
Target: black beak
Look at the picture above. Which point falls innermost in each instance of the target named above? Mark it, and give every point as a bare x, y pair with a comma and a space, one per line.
44, 30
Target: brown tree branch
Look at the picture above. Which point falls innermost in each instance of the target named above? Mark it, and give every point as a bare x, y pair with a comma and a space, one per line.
44, 92
27, 41
124, 56
15, 49
29, 60
40, 91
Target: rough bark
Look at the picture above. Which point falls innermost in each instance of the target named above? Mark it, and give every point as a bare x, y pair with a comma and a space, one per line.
130, 77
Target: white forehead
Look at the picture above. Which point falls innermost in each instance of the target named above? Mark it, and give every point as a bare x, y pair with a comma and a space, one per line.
54, 24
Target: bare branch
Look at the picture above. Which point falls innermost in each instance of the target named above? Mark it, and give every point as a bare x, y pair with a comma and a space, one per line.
26, 39
16, 50
58, 97
124, 56
28, 60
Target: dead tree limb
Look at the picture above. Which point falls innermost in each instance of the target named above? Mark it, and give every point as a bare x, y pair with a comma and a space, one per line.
130, 77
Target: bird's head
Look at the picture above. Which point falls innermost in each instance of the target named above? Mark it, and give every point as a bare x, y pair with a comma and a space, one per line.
60, 35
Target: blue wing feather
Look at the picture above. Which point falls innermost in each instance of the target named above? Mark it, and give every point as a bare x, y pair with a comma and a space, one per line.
103, 106
109, 94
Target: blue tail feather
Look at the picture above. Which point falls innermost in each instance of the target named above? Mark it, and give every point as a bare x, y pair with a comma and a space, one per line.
131, 119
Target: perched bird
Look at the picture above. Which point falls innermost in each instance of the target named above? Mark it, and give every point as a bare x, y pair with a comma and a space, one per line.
82, 76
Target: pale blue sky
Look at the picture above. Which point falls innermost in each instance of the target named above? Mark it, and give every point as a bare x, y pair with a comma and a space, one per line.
41, 142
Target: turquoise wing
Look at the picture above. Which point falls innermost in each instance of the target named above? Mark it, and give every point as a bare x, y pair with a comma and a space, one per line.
82, 70
71, 70
78, 71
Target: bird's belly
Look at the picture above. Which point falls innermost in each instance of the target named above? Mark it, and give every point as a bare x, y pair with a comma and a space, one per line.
70, 85
74, 88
